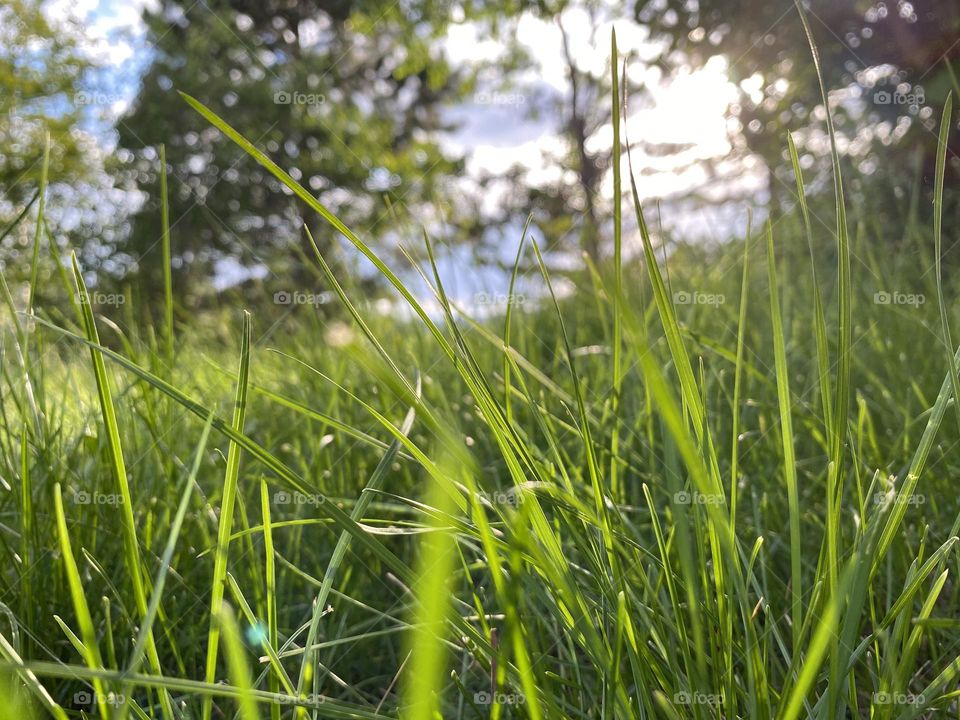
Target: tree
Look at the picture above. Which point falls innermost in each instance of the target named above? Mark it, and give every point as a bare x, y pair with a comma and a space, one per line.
569, 204
41, 71
345, 96
886, 63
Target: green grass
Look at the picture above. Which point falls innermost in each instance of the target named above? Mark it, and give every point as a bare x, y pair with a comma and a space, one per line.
713, 492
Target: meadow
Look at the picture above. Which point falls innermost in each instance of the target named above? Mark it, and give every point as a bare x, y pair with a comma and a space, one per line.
714, 483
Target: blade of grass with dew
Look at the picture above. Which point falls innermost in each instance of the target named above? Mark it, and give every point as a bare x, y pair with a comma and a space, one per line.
225, 524
91, 651
119, 473
786, 434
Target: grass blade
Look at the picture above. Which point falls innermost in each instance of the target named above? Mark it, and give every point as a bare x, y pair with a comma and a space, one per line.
91, 650
225, 524
119, 472
786, 432
167, 266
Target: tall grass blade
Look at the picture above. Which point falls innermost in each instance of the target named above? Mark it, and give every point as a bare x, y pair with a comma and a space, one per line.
786, 433
942, 140
167, 260
225, 524
91, 649
118, 468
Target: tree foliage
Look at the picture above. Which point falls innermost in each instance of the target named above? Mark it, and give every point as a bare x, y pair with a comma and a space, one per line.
887, 64
41, 73
345, 95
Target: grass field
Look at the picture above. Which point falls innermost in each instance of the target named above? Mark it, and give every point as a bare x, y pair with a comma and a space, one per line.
718, 486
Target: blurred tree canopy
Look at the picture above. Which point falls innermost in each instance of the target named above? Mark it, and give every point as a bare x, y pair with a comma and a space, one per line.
887, 65
350, 97
40, 73
344, 95
571, 204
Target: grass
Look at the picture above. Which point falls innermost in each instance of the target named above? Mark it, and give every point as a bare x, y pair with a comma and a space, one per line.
709, 493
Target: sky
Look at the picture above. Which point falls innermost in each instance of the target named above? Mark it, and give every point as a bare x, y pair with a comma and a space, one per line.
494, 131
